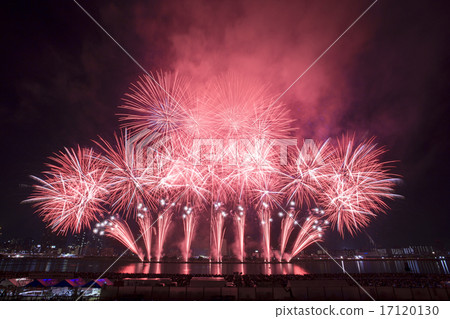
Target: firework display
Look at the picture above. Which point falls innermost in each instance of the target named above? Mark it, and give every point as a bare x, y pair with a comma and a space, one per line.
206, 154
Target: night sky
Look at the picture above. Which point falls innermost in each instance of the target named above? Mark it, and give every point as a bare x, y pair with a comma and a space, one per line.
63, 78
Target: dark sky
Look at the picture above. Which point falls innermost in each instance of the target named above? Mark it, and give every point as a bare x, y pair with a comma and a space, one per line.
63, 78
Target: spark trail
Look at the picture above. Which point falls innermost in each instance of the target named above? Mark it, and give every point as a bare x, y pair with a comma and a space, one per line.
144, 220
239, 221
287, 226
311, 231
119, 230
218, 232
189, 224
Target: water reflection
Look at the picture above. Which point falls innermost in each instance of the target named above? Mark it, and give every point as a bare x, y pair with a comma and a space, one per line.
267, 269
186, 269
300, 268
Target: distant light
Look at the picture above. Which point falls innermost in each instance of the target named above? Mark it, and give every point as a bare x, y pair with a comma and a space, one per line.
95, 231
102, 233
160, 217
265, 205
241, 213
185, 208
291, 215
112, 218
292, 203
240, 208
280, 214
239, 218
98, 225
173, 204
163, 202
139, 206
270, 220
256, 251
326, 222
263, 222
224, 214
314, 226
145, 209
184, 215
319, 228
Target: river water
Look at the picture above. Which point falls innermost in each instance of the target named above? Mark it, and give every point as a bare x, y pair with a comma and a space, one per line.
438, 266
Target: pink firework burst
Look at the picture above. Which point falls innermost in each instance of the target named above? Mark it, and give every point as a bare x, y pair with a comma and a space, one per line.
357, 186
157, 104
73, 191
244, 109
130, 180
307, 174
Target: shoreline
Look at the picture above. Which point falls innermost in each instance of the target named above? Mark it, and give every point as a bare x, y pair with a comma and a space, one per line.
169, 261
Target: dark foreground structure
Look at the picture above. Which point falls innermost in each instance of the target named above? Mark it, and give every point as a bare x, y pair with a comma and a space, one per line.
120, 286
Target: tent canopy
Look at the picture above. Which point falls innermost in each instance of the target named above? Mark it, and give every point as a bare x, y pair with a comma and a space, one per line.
16, 282
42, 283
71, 283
